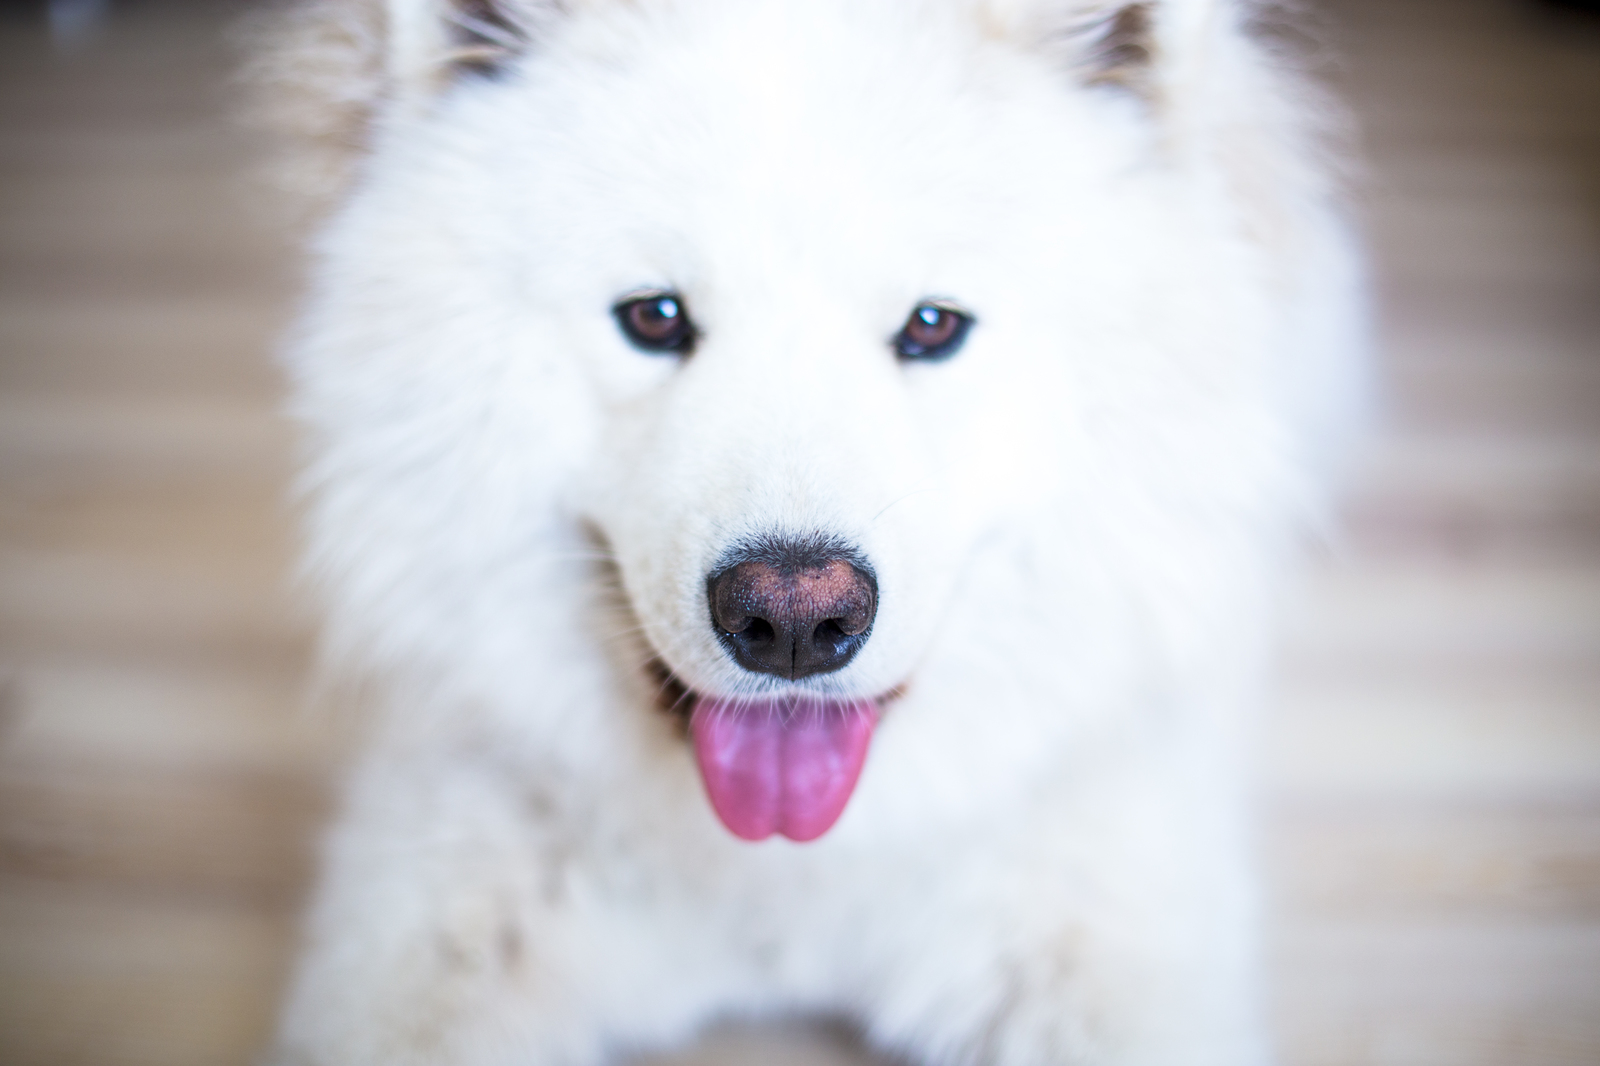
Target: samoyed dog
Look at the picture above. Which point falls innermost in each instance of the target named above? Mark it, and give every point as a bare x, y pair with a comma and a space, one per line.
806, 481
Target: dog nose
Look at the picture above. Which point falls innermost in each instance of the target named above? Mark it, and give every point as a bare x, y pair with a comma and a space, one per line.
791, 611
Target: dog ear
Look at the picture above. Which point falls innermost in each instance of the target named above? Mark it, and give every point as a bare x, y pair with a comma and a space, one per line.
430, 42
1137, 46
1116, 46
318, 73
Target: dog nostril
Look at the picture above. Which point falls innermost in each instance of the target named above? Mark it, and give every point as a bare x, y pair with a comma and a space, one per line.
831, 632
793, 611
829, 640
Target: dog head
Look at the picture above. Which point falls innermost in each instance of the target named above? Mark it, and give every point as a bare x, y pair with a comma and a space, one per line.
794, 308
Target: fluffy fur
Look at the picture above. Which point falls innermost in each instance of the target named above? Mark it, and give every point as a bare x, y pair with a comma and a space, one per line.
1075, 523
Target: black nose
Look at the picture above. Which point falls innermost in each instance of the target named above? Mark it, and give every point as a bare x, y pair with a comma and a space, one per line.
793, 610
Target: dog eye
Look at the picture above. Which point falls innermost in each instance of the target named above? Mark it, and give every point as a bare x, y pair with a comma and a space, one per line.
656, 323
932, 332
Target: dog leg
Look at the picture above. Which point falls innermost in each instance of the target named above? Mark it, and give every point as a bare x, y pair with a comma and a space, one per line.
1128, 940
453, 927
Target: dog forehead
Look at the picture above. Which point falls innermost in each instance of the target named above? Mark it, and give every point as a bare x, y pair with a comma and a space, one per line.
822, 123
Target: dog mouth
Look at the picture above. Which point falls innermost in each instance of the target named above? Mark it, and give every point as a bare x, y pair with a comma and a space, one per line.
784, 765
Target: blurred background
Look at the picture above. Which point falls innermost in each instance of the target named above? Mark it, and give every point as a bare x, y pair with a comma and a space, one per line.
1433, 765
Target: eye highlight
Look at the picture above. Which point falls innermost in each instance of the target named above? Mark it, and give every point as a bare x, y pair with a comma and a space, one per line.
656, 322
932, 332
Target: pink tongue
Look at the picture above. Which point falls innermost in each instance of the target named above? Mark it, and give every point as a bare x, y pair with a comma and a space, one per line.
787, 766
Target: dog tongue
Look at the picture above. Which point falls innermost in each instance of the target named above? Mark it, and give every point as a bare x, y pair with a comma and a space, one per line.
787, 766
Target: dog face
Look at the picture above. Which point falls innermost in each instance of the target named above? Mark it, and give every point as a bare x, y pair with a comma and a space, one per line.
793, 323
800, 207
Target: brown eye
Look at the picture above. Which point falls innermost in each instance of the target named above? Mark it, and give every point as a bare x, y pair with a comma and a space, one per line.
656, 323
932, 333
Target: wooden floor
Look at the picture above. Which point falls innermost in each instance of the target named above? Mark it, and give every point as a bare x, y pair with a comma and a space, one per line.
1434, 769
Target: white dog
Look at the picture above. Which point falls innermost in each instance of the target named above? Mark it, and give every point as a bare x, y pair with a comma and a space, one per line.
809, 477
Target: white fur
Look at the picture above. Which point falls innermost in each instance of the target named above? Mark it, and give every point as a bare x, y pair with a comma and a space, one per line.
1075, 523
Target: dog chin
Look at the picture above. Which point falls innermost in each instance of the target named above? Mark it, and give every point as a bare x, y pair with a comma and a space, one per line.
779, 763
